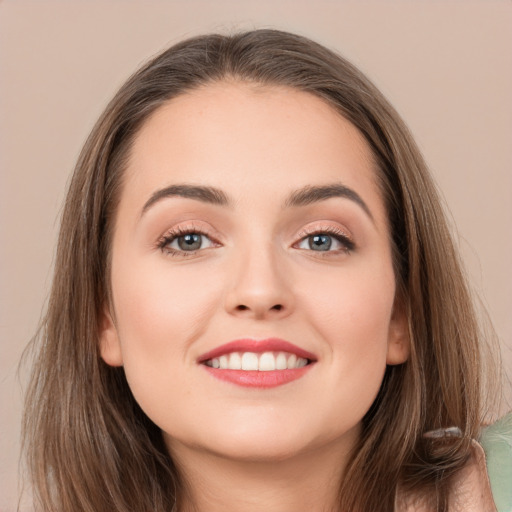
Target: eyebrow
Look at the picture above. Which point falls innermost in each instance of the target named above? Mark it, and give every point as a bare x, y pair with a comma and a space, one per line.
313, 194
202, 193
301, 197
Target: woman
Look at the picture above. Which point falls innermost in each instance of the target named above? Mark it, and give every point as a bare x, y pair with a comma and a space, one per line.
256, 301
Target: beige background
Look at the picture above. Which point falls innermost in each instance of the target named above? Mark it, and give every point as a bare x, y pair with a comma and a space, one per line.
445, 65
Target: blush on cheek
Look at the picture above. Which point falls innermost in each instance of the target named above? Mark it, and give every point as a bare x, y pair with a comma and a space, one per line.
171, 303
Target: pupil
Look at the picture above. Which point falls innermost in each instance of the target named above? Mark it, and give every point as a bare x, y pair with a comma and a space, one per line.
320, 242
190, 242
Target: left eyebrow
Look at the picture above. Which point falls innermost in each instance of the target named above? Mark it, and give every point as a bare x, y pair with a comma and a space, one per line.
313, 194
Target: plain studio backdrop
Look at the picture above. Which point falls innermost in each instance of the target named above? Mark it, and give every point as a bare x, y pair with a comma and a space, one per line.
445, 65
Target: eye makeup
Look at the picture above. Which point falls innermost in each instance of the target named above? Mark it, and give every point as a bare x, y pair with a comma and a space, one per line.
319, 235
189, 239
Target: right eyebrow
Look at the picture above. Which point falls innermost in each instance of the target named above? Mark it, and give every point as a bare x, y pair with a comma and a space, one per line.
202, 193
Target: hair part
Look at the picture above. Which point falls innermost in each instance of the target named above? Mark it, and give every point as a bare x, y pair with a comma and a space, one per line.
91, 448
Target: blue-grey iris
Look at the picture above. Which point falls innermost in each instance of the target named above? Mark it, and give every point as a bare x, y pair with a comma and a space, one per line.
320, 242
190, 242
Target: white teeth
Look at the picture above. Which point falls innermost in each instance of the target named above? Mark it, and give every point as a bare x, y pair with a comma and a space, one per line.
249, 361
301, 362
281, 363
235, 361
267, 361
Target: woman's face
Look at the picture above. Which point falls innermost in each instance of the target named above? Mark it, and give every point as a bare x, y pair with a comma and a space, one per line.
252, 279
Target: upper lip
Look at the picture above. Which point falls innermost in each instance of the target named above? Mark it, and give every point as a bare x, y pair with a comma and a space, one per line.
257, 346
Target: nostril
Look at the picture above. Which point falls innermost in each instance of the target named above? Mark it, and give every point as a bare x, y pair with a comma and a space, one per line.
243, 307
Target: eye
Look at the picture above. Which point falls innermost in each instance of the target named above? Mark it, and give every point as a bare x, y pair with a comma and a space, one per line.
331, 240
183, 241
189, 242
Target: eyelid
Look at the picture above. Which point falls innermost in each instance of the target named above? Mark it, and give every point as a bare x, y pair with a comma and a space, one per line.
324, 227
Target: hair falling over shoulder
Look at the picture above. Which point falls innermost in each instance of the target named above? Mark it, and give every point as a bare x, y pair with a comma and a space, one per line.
89, 446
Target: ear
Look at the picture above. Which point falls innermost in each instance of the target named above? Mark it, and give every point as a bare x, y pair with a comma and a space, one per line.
399, 343
110, 348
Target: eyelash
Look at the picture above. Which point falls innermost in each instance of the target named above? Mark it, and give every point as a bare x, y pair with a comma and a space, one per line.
337, 234
171, 236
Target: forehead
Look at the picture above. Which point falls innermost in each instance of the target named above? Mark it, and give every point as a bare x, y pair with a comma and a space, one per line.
237, 110
249, 138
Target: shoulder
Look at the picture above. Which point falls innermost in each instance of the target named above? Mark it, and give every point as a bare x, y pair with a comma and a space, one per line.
471, 489
496, 443
485, 482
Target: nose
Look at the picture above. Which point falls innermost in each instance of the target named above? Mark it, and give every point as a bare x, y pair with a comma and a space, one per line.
259, 287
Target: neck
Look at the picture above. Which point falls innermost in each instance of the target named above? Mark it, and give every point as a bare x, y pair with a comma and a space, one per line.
308, 481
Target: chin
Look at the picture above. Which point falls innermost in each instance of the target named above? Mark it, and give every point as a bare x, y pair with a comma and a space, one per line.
260, 448
264, 439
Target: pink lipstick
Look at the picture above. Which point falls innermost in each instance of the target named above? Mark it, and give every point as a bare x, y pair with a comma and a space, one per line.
258, 363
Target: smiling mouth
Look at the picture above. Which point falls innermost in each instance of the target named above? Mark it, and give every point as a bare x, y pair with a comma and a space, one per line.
261, 362
258, 363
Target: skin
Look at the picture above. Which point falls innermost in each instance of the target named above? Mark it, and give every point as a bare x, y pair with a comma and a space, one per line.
237, 448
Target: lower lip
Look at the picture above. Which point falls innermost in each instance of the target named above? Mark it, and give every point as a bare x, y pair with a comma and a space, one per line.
257, 379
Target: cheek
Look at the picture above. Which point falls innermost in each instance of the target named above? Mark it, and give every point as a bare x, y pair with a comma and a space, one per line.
159, 315
352, 312
156, 304
352, 305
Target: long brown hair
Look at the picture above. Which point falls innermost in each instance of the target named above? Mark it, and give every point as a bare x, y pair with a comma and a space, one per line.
89, 445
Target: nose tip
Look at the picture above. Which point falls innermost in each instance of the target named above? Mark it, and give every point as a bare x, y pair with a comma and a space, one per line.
259, 291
